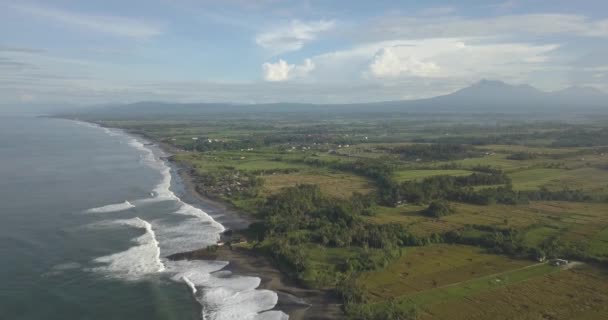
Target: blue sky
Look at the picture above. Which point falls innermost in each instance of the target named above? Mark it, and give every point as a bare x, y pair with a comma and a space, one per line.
91, 52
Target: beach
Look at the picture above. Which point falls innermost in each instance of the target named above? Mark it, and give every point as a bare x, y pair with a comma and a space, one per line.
293, 299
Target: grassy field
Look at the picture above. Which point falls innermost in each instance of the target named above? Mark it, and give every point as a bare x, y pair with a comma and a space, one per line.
408, 175
425, 268
245, 161
461, 282
599, 244
590, 179
580, 293
340, 185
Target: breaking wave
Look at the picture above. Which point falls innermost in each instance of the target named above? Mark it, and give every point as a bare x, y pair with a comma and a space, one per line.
138, 261
112, 207
222, 295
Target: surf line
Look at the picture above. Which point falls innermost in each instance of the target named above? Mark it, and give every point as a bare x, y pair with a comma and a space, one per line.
149, 230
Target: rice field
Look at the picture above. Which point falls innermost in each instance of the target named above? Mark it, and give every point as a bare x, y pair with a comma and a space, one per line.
408, 175
425, 268
340, 185
463, 282
578, 293
589, 179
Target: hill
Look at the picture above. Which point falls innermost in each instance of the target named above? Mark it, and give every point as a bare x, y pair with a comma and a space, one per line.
486, 96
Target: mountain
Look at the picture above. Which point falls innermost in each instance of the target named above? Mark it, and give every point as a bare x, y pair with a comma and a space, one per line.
485, 96
498, 97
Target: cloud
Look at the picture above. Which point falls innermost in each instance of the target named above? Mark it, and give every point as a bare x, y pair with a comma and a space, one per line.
387, 63
19, 50
463, 59
282, 71
278, 71
292, 37
114, 25
391, 27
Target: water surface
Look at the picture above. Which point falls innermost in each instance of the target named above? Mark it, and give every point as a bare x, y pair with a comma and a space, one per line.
87, 217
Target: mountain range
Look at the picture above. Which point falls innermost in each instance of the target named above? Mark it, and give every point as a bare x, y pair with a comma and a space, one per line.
485, 96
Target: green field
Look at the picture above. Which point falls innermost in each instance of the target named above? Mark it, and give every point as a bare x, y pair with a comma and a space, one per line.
591, 179
580, 293
424, 268
460, 282
339, 185
407, 175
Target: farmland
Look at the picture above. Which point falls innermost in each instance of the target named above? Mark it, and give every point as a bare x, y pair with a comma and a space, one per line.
449, 217
459, 282
578, 293
424, 268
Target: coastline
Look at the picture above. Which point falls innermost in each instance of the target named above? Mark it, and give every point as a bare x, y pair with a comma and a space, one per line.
298, 302
293, 299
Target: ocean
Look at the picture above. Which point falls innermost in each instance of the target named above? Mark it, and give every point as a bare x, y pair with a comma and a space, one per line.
88, 216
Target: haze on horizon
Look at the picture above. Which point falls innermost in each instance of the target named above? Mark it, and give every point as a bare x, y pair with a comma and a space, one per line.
67, 52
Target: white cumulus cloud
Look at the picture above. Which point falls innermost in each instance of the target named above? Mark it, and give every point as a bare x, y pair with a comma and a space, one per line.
293, 36
282, 71
387, 63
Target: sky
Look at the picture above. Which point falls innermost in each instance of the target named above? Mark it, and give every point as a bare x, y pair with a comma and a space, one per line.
321, 51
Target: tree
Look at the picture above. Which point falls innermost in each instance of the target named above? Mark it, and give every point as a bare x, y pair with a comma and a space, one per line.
438, 209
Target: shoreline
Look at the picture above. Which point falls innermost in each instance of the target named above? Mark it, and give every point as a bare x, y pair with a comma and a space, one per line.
293, 299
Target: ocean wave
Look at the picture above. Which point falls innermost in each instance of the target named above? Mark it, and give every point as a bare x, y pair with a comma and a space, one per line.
138, 261
188, 210
271, 315
225, 303
221, 294
224, 295
112, 207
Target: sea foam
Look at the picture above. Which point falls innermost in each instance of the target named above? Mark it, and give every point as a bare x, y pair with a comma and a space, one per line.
221, 294
112, 207
138, 261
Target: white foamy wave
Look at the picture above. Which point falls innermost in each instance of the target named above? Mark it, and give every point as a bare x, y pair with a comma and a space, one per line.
189, 210
207, 274
194, 268
222, 295
162, 190
108, 131
187, 235
272, 315
112, 207
190, 284
111, 132
87, 124
138, 145
137, 261
225, 303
